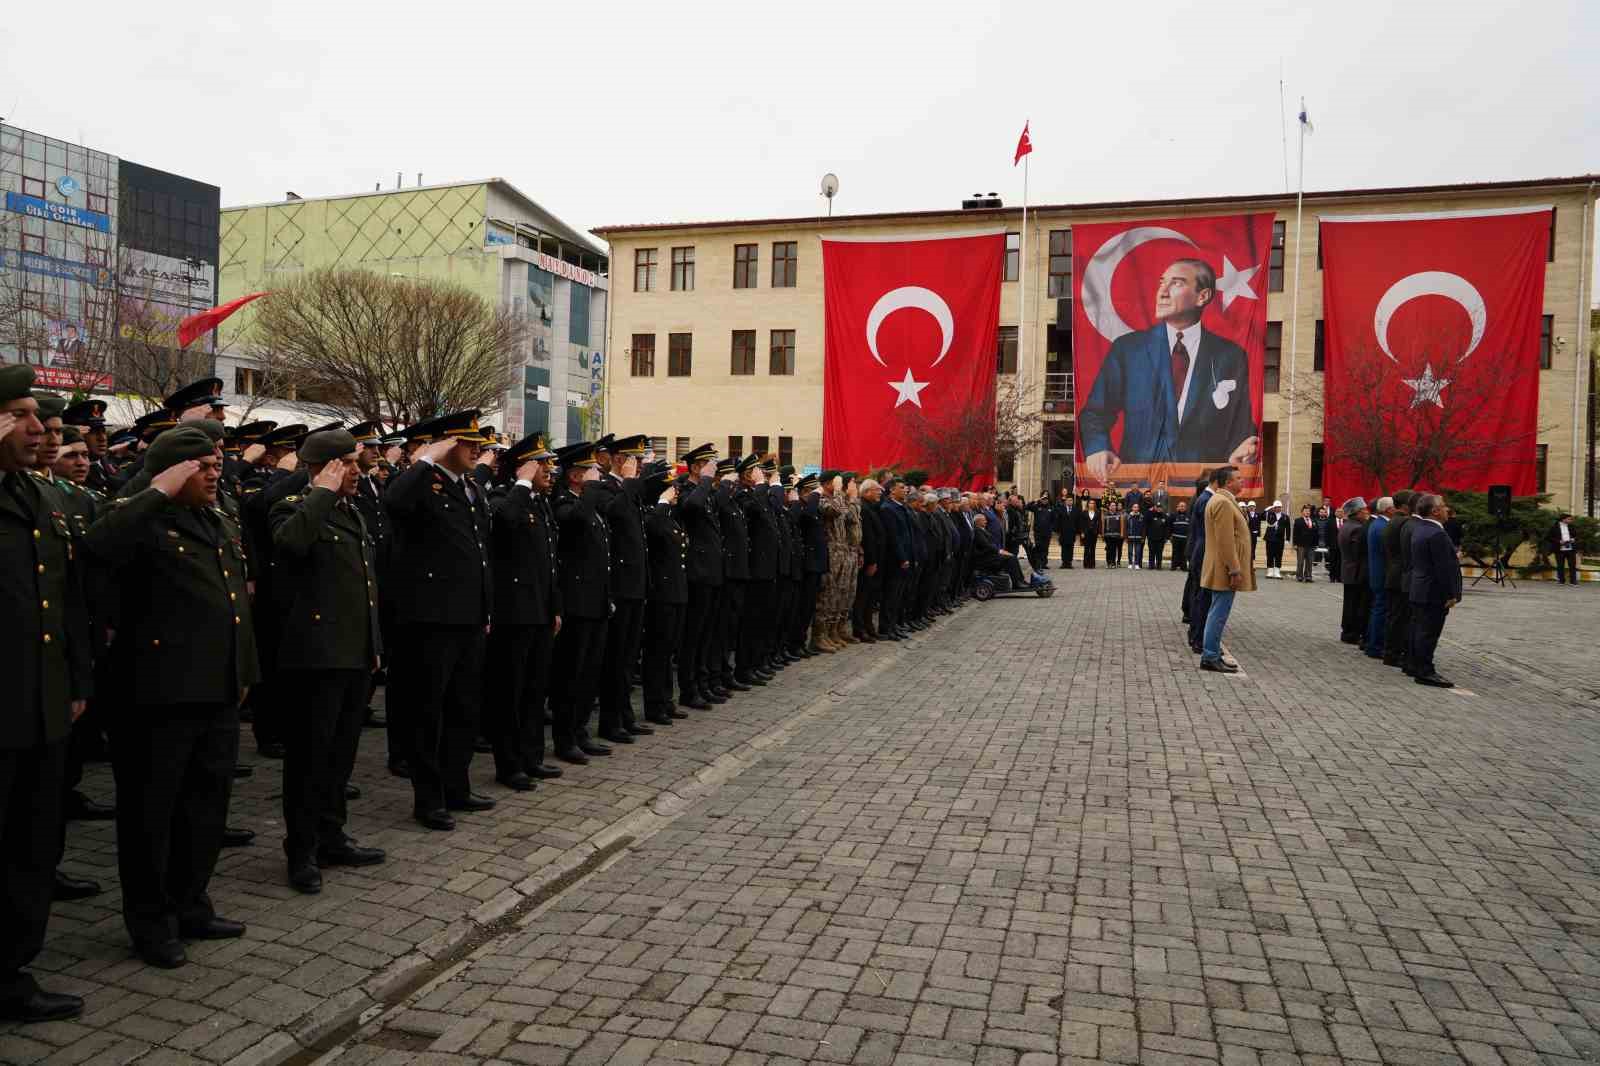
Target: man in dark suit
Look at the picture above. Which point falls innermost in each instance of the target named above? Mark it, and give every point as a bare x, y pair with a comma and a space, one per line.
1196, 597
1397, 640
1435, 587
1560, 542
1353, 570
898, 556
1182, 391
869, 583
1064, 519
443, 599
328, 648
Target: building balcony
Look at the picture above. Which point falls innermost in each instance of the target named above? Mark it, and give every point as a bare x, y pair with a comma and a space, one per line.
1058, 392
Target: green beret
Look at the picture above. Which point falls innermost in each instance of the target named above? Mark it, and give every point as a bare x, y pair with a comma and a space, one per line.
16, 381
211, 428
50, 405
329, 444
71, 435
175, 445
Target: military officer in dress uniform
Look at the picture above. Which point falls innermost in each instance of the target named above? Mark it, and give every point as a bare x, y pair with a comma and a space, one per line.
198, 400
368, 499
329, 644
146, 428
443, 602
185, 653
667, 551
89, 418
814, 561
527, 614
791, 568
584, 570
44, 657
239, 441
760, 524
617, 499
699, 520
735, 576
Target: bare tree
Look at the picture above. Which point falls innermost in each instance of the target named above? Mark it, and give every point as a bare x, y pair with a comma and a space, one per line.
964, 441
366, 346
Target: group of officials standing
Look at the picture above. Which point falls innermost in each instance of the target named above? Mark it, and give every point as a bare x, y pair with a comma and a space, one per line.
158, 581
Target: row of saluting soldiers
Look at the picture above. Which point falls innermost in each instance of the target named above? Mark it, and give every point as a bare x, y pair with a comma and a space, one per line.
155, 580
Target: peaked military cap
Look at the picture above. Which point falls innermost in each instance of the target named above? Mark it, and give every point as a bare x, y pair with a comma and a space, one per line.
769, 463
634, 445
392, 439
16, 381
807, 484
50, 405
656, 475
252, 432
148, 425
726, 466
337, 424
288, 436
204, 391
91, 413
528, 448
606, 444
577, 456
747, 462
121, 437
786, 470
367, 432
699, 455
457, 425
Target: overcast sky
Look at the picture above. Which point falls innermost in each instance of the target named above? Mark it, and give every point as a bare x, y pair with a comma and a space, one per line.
620, 113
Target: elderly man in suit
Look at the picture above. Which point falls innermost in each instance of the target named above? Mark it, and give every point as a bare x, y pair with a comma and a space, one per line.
1353, 569
1226, 569
1435, 586
1183, 392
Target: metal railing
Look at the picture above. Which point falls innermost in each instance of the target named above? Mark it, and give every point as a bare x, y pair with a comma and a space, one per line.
1058, 393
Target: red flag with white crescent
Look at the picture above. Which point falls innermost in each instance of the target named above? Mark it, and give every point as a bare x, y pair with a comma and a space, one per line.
1024, 145
205, 321
911, 332
1432, 335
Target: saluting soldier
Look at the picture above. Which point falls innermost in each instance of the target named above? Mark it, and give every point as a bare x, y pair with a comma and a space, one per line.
145, 428
791, 573
368, 499
241, 440
584, 570
443, 602
184, 653
617, 499
198, 400
329, 643
735, 576
89, 418
761, 588
44, 657
814, 562
667, 556
697, 516
527, 613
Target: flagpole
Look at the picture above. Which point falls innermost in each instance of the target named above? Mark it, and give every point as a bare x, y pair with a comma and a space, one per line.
1294, 309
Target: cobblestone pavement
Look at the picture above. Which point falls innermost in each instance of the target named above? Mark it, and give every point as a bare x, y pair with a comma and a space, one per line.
1035, 834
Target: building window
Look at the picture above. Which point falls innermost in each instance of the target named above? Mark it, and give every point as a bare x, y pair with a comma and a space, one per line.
761, 445
1005, 361
246, 380
1550, 252
32, 242
1541, 460
95, 202
785, 451
1547, 328
736, 445
781, 360
33, 187
1316, 466
1005, 467
746, 259
680, 448
683, 269
1272, 357
578, 314
785, 264
643, 351
744, 352
1060, 264
1275, 258
644, 270
1013, 255
1319, 347
658, 448
680, 354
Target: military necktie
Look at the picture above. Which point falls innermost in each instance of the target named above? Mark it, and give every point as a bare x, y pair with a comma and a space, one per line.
1180, 370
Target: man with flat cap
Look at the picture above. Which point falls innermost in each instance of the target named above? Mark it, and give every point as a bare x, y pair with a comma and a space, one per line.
44, 657
198, 400
583, 547
185, 654
697, 515
527, 614
328, 646
667, 556
443, 603
617, 499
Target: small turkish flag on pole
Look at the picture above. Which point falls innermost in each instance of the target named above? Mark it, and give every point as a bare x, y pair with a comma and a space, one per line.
1024, 146
206, 321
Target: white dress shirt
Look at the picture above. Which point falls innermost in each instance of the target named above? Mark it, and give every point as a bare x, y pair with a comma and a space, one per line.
1191, 344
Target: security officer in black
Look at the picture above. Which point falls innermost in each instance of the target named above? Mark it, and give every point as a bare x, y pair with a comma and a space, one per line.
735, 578
667, 550
185, 655
814, 561
584, 570
527, 613
443, 608
761, 573
44, 658
698, 516
617, 499
329, 643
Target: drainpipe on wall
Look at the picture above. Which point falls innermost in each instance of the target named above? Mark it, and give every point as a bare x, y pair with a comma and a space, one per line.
1580, 364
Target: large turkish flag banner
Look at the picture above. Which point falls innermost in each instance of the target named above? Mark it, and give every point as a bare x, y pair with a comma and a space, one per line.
1139, 285
1432, 326
911, 347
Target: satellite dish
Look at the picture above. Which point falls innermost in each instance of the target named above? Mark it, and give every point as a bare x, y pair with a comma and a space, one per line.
830, 185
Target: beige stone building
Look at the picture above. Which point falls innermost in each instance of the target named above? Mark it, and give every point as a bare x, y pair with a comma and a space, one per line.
716, 328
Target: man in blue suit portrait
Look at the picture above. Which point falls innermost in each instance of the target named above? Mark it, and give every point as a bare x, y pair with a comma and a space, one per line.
1182, 391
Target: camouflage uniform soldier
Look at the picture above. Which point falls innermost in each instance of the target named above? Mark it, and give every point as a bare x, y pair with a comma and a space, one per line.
845, 586
831, 506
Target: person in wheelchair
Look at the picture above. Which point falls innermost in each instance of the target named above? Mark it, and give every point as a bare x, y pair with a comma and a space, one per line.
987, 559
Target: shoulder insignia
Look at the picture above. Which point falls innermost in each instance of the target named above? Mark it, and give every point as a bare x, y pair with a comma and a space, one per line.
436, 487
291, 499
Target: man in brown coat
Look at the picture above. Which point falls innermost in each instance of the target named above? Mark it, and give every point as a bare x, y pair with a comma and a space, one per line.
1227, 568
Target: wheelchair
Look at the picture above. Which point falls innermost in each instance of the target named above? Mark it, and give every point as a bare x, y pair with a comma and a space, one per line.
987, 586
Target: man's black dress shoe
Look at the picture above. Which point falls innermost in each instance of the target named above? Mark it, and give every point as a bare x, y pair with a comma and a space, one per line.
1434, 681
518, 781
546, 771
305, 877
167, 954
41, 1006
616, 736
638, 729
736, 686
714, 699
572, 755
593, 750
211, 929
84, 809
352, 792
241, 770
470, 802
438, 818
680, 716
350, 854
694, 702
66, 888
662, 719
482, 747
1218, 667
400, 768
237, 838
